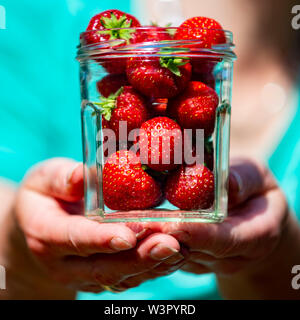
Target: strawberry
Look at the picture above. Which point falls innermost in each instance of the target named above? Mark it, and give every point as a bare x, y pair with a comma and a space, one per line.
112, 25
156, 77
190, 187
125, 105
126, 186
196, 107
111, 83
111, 19
207, 30
155, 33
160, 139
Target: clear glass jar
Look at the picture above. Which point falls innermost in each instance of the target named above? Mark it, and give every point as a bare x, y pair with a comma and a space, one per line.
116, 66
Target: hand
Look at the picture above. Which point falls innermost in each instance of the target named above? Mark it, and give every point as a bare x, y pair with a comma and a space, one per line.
75, 252
257, 216
255, 226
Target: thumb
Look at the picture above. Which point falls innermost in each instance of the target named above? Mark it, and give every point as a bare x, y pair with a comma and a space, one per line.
247, 178
58, 177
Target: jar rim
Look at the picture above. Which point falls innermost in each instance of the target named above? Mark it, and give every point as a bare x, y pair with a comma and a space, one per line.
116, 47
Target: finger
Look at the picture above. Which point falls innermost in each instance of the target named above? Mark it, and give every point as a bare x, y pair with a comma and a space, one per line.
60, 178
196, 268
221, 266
51, 231
133, 281
158, 247
246, 179
114, 268
252, 231
83, 237
159, 271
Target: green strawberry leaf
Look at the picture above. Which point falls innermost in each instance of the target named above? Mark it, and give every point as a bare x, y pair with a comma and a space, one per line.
108, 104
114, 23
172, 63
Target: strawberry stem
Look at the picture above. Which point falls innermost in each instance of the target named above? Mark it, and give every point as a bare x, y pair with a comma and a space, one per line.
119, 27
173, 64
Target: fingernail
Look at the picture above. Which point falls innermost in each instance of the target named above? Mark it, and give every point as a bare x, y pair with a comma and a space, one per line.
174, 259
71, 172
236, 186
162, 252
180, 235
141, 234
118, 243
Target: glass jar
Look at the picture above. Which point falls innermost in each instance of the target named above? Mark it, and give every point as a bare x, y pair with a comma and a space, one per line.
134, 91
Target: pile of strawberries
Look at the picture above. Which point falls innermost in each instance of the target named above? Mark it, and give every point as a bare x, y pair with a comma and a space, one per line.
159, 94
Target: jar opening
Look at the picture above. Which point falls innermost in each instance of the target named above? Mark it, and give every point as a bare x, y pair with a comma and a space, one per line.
109, 48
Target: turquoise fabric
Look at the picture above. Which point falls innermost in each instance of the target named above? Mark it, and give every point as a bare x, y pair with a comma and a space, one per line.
39, 92
285, 161
40, 117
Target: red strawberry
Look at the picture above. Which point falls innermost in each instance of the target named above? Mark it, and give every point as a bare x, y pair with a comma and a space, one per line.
157, 77
126, 186
111, 83
155, 33
110, 19
125, 105
190, 188
98, 31
160, 140
196, 107
209, 31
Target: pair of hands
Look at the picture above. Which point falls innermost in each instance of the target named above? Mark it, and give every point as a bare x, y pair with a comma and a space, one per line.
85, 255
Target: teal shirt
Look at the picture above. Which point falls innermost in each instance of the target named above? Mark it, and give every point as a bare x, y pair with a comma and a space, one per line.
40, 114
